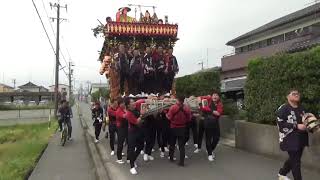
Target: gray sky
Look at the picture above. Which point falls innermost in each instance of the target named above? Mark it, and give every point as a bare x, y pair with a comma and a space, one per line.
26, 54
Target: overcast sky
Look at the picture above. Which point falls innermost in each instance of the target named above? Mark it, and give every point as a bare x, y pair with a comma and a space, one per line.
26, 54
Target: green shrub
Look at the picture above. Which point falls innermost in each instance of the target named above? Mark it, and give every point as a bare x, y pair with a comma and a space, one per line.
198, 84
270, 78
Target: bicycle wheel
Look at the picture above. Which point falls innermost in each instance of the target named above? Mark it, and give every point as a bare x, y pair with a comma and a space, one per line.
64, 135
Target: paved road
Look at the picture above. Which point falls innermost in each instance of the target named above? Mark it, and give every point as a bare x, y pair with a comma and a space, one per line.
71, 162
231, 164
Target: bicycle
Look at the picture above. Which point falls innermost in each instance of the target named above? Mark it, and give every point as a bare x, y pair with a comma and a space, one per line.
64, 133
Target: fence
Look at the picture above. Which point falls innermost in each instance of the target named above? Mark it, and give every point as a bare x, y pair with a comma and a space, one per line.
25, 116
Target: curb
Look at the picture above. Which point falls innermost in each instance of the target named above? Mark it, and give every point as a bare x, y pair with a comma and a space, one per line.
101, 173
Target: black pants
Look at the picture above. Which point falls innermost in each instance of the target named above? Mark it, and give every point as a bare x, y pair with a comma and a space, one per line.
122, 135
212, 137
178, 133
97, 130
193, 126
169, 77
293, 164
149, 131
123, 79
135, 144
112, 133
200, 133
149, 83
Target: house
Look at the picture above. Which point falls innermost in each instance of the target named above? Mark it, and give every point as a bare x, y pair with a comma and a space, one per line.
5, 88
63, 89
294, 32
30, 87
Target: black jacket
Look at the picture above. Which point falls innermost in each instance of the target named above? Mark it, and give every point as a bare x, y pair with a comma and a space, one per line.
65, 113
96, 115
290, 137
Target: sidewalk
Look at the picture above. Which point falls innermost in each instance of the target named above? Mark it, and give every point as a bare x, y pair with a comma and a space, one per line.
231, 164
66, 163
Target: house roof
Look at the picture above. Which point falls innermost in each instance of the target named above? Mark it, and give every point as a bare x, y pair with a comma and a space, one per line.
281, 21
6, 86
234, 85
303, 45
29, 84
59, 85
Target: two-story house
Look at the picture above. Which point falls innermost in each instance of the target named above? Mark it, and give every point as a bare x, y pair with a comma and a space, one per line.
294, 32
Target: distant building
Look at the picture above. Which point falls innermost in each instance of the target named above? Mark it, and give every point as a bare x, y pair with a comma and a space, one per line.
96, 86
5, 88
294, 32
63, 90
30, 87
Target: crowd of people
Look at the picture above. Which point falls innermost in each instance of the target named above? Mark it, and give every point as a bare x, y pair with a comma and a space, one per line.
150, 71
168, 127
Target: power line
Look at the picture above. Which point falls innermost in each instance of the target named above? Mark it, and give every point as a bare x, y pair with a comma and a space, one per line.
44, 28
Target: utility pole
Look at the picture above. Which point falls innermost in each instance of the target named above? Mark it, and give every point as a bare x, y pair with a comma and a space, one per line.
201, 62
14, 83
207, 58
70, 79
56, 87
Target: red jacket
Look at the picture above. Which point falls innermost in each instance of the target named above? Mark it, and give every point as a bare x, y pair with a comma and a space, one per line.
179, 118
120, 120
112, 115
218, 104
132, 119
138, 104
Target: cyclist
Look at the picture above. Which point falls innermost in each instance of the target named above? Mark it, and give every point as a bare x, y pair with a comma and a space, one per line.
65, 113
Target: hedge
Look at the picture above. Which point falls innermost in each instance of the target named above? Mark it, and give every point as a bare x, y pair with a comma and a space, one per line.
270, 78
198, 84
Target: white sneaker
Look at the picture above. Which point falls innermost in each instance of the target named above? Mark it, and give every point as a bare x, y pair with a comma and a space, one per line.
70, 139
141, 152
145, 157
123, 154
119, 161
195, 146
162, 154
281, 177
174, 158
112, 153
133, 171
197, 151
128, 161
152, 150
166, 149
187, 144
150, 158
210, 158
96, 141
186, 157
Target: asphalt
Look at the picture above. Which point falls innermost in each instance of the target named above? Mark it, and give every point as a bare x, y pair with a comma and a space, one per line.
230, 164
71, 162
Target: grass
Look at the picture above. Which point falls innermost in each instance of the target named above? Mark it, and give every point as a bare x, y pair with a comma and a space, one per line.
20, 147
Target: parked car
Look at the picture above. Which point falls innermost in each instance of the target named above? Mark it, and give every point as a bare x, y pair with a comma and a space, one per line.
44, 102
18, 102
7, 103
32, 103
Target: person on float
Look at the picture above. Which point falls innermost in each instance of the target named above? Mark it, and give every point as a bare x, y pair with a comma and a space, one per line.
135, 73
123, 66
160, 68
149, 72
171, 69
293, 136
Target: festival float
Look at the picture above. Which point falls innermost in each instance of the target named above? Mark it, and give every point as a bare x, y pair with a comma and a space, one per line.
125, 36
147, 31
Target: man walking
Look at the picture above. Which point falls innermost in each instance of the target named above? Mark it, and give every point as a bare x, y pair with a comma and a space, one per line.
97, 117
112, 109
293, 135
179, 115
212, 109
